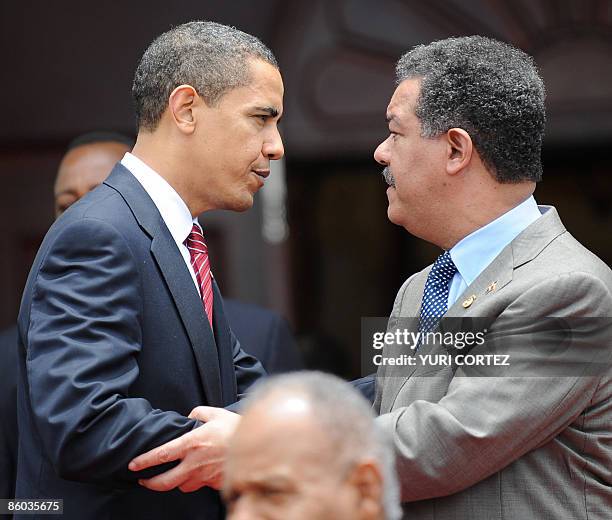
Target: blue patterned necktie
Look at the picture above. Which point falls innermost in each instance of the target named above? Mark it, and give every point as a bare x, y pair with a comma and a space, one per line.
435, 295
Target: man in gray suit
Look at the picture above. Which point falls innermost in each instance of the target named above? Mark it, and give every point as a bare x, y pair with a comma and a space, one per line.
462, 161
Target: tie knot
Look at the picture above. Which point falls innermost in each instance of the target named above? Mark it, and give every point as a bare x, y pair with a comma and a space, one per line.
444, 268
195, 241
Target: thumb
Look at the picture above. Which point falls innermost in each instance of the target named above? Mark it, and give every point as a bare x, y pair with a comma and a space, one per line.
205, 413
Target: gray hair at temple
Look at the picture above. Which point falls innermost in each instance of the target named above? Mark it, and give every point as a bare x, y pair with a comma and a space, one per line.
488, 88
346, 418
211, 57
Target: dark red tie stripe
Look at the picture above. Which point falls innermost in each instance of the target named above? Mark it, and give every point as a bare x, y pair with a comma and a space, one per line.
201, 266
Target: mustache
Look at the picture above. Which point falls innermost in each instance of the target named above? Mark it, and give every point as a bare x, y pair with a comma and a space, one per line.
388, 176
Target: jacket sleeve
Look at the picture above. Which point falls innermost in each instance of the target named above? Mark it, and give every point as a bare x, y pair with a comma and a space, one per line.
483, 424
248, 370
83, 341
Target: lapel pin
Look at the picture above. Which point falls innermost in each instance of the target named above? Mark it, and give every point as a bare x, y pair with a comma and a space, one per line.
469, 301
492, 287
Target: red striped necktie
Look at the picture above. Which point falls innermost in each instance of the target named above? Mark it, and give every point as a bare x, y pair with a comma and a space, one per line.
201, 266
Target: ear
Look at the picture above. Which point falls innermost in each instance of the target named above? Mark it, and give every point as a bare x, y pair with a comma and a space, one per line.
367, 480
181, 104
460, 149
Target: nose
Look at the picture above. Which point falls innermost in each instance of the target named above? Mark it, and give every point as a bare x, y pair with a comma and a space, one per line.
273, 147
380, 154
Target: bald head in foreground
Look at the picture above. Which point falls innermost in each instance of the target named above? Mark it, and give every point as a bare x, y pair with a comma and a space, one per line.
307, 447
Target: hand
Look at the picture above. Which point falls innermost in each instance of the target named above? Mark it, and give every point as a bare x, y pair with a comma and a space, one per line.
202, 452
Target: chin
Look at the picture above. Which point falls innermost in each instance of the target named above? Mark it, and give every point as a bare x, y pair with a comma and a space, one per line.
242, 205
408, 224
394, 217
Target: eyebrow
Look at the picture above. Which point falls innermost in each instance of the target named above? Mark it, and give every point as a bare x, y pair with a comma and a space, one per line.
273, 112
270, 480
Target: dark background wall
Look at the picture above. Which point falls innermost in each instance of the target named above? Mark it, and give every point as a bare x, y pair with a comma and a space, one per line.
67, 68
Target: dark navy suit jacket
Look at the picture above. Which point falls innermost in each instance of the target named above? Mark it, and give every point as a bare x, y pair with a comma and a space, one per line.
8, 416
115, 350
266, 335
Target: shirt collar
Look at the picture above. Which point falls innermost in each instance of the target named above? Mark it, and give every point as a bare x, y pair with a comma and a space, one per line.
476, 251
171, 207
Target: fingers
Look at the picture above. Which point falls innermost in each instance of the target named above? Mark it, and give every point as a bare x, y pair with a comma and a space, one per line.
201, 452
167, 481
205, 413
168, 452
176, 448
187, 480
190, 486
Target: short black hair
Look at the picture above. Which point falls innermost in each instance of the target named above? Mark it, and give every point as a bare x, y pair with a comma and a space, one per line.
211, 57
100, 137
490, 89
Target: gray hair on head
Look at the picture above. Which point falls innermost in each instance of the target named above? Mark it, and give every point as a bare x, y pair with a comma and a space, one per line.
345, 417
211, 57
488, 88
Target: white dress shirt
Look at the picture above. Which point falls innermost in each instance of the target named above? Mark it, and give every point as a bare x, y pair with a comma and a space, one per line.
172, 208
473, 254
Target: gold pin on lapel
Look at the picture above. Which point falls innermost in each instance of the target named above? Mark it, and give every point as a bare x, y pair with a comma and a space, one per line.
469, 301
492, 287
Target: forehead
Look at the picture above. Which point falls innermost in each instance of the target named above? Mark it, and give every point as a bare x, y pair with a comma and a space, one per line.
288, 446
89, 164
404, 99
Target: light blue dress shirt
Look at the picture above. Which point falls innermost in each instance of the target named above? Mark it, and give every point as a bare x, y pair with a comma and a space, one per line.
475, 252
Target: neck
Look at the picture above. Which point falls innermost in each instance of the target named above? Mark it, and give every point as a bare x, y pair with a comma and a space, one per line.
153, 149
478, 211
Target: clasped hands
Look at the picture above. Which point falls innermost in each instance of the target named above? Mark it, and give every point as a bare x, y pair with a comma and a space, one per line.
201, 452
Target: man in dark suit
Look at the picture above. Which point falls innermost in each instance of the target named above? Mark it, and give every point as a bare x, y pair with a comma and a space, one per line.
88, 161
122, 327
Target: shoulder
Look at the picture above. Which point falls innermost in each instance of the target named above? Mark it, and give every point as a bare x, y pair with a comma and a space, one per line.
579, 292
78, 249
103, 204
99, 219
566, 262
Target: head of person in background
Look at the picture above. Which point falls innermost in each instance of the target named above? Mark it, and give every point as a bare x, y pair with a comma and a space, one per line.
87, 162
466, 124
307, 447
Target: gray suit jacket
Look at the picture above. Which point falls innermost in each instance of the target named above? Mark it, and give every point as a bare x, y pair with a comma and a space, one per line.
511, 448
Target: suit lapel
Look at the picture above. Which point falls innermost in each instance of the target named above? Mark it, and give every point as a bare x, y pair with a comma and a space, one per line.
189, 305
177, 278
498, 272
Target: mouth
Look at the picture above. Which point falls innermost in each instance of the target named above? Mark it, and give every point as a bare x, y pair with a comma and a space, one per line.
262, 173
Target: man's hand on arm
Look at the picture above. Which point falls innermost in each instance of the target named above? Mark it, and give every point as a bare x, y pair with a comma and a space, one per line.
201, 451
